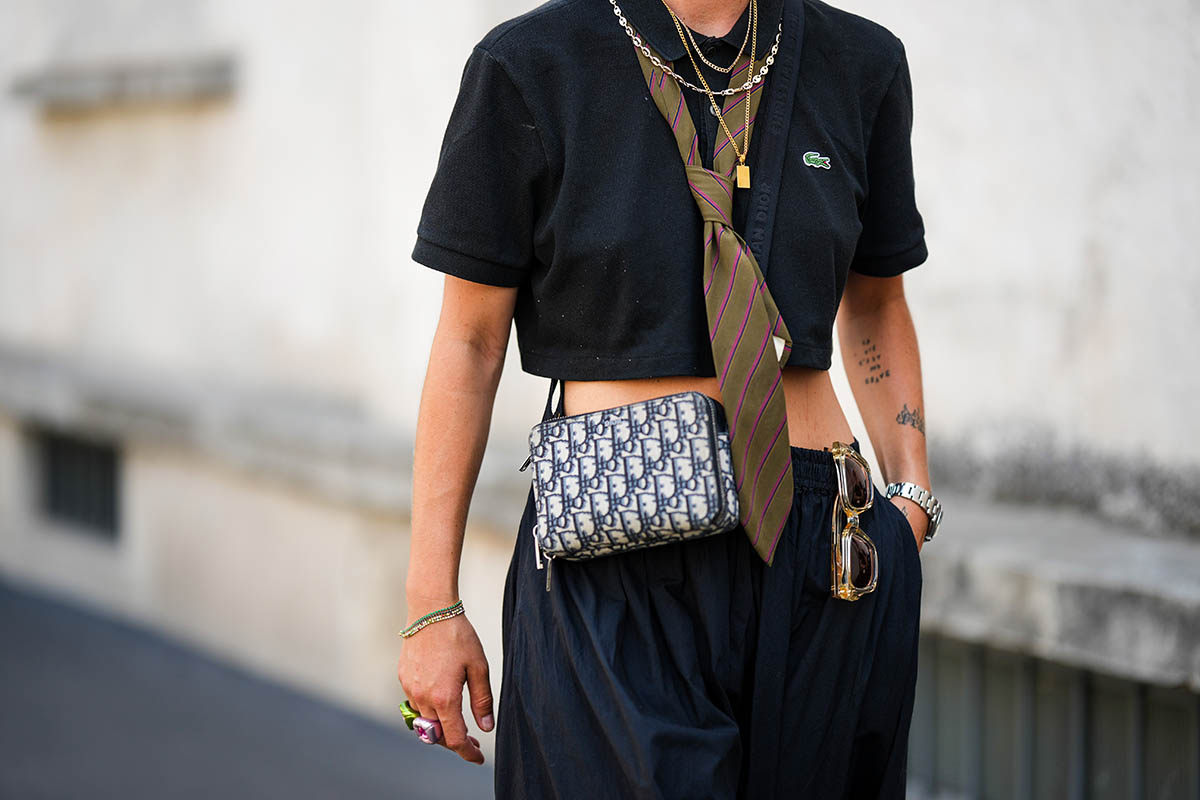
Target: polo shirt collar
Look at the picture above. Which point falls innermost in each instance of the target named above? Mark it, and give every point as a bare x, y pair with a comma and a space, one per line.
651, 20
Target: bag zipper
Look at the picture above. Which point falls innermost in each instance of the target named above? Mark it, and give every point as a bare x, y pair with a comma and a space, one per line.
712, 429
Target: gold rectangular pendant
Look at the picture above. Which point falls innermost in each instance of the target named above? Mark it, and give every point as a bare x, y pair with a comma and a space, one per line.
743, 176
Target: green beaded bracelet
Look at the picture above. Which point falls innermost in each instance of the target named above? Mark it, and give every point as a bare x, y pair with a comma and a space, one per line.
433, 616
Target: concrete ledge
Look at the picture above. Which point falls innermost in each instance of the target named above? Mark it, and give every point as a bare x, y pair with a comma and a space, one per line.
67, 86
1062, 586
323, 443
318, 442
1020, 462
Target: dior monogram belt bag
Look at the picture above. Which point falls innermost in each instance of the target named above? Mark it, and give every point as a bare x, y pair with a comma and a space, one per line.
633, 476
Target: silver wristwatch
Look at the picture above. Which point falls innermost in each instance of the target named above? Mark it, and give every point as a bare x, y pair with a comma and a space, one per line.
922, 497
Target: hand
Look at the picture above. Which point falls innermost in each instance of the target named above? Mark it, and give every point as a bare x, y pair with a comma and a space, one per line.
434, 664
918, 520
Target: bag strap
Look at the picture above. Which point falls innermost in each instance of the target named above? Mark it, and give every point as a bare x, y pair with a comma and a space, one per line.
561, 410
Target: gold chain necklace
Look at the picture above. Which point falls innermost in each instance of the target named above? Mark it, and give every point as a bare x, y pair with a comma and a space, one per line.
743, 170
736, 58
728, 91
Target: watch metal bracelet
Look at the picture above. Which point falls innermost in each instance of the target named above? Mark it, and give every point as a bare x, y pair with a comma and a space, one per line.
922, 497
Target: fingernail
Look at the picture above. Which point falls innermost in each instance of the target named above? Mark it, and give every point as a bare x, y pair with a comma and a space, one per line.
487, 723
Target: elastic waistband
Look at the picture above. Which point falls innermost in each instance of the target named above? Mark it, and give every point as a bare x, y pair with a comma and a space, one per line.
815, 469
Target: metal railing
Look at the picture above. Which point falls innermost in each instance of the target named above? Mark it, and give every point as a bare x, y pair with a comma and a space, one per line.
991, 724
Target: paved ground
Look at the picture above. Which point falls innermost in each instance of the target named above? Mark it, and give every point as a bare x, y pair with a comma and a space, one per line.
91, 708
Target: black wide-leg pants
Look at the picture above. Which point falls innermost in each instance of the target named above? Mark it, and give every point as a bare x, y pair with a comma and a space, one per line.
694, 670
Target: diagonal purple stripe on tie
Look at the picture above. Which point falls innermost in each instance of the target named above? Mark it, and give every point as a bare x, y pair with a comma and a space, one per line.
762, 412
733, 350
754, 495
725, 302
766, 506
679, 107
775, 539
762, 348
737, 134
714, 260
719, 207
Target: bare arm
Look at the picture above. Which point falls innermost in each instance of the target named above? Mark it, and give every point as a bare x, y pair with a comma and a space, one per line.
465, 363
455, 414
883, 364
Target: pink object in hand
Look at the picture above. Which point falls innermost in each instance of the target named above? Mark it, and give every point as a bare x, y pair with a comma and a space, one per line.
429, 730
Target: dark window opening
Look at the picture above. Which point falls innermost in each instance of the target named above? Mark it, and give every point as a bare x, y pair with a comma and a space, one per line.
79, 481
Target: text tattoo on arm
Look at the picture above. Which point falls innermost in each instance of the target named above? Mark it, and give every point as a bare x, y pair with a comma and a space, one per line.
871, 358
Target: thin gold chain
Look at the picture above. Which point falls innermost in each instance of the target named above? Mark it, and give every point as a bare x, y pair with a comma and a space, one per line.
736, 58
741, 154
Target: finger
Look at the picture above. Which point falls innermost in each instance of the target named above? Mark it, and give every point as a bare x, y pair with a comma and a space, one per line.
421, 705
454, 731
480, 688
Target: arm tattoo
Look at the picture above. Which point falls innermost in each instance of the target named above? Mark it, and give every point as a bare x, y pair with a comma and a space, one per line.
914, 418
870, 358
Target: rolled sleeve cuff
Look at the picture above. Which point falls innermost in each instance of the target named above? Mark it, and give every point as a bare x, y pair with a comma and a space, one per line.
892, 265
465, 266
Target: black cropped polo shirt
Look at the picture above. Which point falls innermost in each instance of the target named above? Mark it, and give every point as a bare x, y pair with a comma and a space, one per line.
557, 175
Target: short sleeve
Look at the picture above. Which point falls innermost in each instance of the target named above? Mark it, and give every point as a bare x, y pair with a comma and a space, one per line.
479, 214
893, 234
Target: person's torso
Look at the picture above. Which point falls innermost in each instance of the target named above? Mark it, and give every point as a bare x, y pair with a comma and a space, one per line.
617, 289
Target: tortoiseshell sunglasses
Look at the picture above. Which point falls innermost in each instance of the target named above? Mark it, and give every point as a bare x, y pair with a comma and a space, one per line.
854, 562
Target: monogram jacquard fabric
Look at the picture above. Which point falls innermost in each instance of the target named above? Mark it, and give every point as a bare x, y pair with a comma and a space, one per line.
632, 476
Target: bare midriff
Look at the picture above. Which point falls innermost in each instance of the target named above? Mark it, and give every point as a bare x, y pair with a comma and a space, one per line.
815, 418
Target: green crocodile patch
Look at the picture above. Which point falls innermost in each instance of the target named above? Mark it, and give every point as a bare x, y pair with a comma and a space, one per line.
814, 159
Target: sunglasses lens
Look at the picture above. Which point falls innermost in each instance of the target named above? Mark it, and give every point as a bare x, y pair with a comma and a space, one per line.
861, 562
858, 484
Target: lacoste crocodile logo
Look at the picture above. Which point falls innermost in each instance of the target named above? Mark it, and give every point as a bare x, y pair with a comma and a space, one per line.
814, 159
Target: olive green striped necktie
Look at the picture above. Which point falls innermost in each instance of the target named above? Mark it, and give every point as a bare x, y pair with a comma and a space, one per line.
742, 316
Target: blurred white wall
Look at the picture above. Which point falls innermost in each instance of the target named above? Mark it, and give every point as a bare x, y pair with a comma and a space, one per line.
1059, 174
262, 238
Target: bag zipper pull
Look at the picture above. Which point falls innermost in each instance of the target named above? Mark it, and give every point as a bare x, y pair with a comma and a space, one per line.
549, 562
526, 464
537, 548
